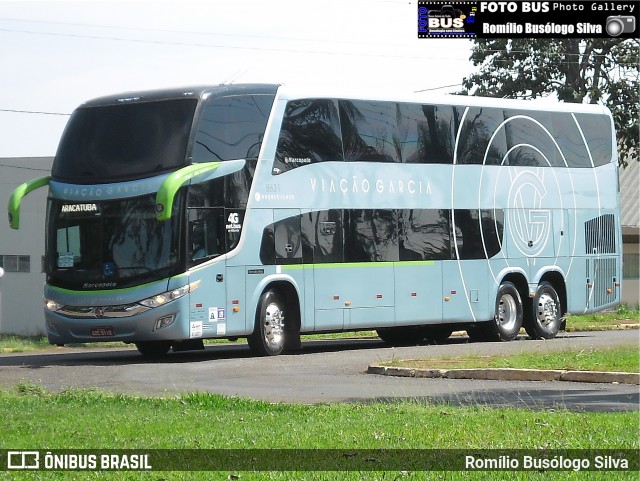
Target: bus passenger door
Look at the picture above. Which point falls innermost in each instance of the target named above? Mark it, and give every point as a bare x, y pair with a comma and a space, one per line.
208, 303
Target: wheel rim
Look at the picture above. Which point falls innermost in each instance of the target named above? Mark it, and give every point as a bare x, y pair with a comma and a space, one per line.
507, 312
547, 311
273, 325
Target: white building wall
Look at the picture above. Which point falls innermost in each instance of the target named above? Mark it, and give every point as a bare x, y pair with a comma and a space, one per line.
21, 292
631, 286
630, 215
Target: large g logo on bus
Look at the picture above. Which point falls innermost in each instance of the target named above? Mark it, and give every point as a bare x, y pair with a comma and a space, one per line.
529, 223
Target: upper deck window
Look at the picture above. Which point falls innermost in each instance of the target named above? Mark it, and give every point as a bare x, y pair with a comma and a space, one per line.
124, 142
310, 133
596, 128
232, 128
397, 132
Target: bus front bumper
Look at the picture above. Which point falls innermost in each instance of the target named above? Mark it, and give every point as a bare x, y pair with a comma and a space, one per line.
126, 323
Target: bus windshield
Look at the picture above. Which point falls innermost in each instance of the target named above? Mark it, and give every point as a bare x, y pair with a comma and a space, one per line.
116, 142
109, 245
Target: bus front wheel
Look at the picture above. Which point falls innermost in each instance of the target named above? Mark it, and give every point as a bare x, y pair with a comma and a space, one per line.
545, 319
268, 338
509, 312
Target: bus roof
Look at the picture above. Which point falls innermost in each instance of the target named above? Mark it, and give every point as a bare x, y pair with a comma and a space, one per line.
292, 92
195, 92
544, 104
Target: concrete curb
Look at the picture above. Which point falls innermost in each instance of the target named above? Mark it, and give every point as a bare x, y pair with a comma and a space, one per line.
509, 374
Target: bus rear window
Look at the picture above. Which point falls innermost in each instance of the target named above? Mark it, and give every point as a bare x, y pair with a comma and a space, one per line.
129, 141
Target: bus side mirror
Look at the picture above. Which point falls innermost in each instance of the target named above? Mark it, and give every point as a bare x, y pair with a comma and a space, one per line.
170, 186
18, 194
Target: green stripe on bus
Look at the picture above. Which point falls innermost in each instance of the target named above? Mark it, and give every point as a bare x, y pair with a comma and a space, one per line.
170, 185
351, 265
18, 194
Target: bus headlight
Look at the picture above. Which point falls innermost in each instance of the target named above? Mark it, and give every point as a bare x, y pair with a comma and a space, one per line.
52, 306
161, 299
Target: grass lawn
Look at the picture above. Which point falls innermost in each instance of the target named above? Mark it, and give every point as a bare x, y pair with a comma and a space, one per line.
603, 320
33, 418
620, 359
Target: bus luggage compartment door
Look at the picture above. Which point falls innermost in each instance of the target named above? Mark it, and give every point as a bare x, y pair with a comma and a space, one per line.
418, 293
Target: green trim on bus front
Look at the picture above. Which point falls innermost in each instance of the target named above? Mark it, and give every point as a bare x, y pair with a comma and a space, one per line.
112, 291
293, 267
170, 185
16, 198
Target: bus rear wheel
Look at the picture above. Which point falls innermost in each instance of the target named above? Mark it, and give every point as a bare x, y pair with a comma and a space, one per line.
153, 348
508, 314
268, 338
546, 316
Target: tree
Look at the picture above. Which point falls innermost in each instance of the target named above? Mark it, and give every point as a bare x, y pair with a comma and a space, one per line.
601, 70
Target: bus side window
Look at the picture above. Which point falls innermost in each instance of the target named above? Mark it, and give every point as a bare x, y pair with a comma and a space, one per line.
529, 140
370, 131
572, 147
597, 130
310, 133
232, 128
205, 235
372, 236
282, 242
429, 133
215, 222
478, 144
478, 234
322, 236
425, 235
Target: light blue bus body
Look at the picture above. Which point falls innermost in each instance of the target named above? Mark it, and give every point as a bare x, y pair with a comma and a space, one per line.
432, 214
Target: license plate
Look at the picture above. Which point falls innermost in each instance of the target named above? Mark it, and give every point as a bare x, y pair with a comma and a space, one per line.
102, 331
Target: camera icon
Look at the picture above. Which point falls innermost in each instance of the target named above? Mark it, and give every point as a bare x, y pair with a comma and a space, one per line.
618, 24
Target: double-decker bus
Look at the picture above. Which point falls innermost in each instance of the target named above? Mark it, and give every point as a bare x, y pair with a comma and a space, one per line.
268, 211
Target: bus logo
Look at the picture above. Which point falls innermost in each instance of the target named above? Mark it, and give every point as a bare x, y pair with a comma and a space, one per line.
529, 222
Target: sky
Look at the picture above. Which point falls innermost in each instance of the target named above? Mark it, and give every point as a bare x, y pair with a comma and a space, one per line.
57, 54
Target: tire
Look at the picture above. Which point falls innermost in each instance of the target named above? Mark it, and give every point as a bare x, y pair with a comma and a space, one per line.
545, 317
153, 349
401, 336
268, 338
508, 313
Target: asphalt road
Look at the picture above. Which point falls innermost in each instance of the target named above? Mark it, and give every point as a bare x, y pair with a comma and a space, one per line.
324, 371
